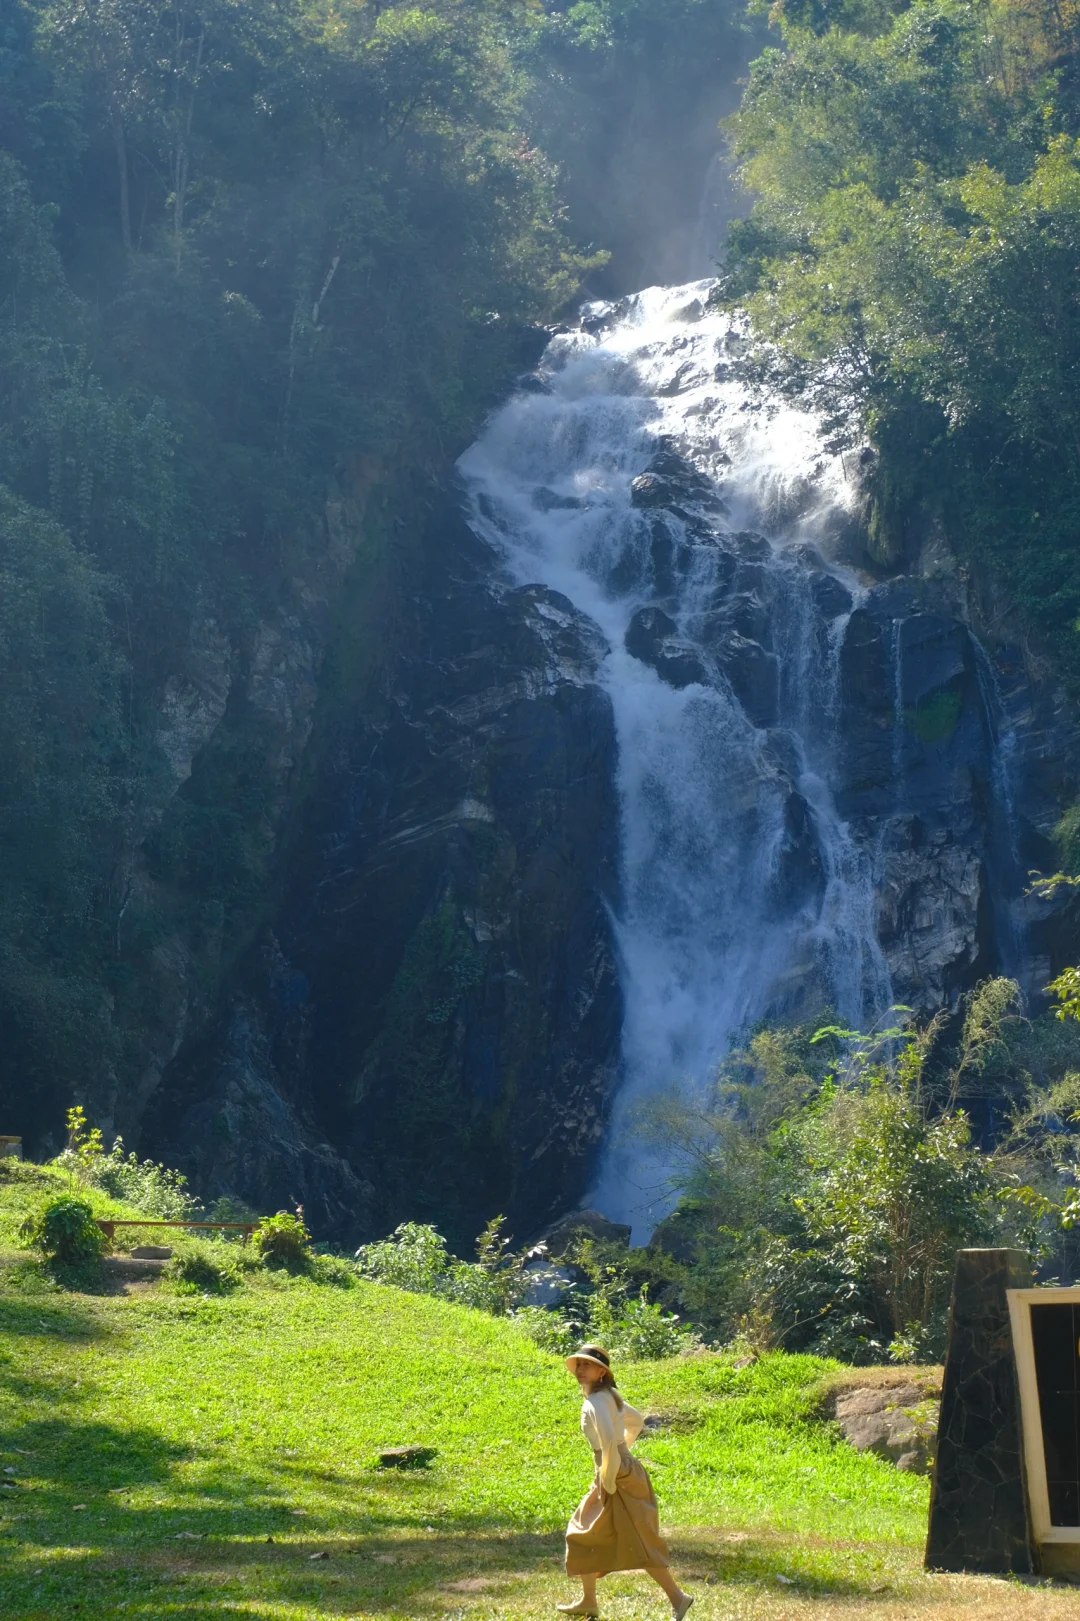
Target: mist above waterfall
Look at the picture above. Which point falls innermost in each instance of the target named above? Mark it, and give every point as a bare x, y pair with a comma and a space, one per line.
641, 478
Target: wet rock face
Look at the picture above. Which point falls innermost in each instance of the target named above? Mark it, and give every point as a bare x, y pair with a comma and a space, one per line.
937, 758
652, 637
672, 482
939, 739
438, 999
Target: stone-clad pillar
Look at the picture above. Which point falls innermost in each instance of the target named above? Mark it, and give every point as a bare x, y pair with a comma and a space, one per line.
978, 1502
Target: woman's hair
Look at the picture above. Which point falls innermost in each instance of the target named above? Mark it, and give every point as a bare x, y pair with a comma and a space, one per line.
605, 1380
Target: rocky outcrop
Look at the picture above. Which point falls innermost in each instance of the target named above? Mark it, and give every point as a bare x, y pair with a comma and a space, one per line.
896, 1421
235, 721
583, 1224
437, 996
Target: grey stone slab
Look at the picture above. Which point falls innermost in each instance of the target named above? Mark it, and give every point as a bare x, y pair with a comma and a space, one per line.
979, 1517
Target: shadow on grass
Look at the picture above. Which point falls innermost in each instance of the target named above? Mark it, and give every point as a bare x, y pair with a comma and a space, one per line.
213, 1579
50, 1312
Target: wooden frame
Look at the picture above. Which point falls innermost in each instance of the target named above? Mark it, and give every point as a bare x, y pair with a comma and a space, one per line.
1020, 1303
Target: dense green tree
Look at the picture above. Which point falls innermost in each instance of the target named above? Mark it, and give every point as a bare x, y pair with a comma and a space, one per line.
913, 254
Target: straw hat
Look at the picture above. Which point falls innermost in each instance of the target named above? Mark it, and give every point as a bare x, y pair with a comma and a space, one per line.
590, 1353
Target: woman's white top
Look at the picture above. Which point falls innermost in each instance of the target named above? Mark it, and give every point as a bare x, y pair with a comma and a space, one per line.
607, 1429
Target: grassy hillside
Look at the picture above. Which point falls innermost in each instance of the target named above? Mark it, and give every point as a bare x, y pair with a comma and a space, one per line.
176, 1455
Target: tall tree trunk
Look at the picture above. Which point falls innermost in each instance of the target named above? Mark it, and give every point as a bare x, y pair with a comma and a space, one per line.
183, 150
120, 143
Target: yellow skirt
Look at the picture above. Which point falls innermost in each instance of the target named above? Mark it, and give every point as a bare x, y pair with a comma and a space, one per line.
616, 1532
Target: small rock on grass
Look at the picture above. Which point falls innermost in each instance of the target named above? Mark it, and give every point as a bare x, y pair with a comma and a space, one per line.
318, 1556
410, 1457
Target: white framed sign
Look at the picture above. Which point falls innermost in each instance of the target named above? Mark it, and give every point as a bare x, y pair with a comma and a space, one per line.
1046, 1341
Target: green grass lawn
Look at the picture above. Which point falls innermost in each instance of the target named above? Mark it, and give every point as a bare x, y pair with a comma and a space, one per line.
174, 1455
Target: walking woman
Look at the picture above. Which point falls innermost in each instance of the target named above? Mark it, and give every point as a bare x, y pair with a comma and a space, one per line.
616, 1526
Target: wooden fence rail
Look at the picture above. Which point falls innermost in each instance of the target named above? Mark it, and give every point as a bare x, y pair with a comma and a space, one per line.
109, 1226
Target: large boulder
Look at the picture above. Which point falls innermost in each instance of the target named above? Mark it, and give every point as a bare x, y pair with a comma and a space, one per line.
671, 481
582, 1224
897, 1421
754, 676
652, 636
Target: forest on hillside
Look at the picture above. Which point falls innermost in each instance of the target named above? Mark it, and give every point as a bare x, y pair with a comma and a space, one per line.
913, 253
249, 252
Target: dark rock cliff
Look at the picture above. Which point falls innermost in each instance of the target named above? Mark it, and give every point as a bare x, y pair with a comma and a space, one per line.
435, 996
428, 1025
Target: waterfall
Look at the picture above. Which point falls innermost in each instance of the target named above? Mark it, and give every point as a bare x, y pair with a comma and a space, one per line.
640, 477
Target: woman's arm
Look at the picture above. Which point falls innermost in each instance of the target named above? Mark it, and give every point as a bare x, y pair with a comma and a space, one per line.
602, 1407
633, 1423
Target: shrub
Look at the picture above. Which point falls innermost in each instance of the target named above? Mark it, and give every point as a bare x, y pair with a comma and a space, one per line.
229, 1209
644, 1329
830, 1186
204, 1266
333, 1269
414, 1257
283, 1240
549, 1329
65, 1231
153, 1189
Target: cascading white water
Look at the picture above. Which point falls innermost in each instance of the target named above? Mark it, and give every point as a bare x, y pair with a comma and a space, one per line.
723, 674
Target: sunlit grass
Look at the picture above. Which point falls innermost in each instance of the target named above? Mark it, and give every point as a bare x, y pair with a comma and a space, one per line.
181, 1456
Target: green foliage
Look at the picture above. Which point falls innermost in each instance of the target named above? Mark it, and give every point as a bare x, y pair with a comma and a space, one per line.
614, 1307
283, 1240
1066, 989
913, 254
640, 1328
65, 1232
242, 249
1067, 839
550, 1330
150, 1188
826, 1196
934, 720
416, 1257
154, 1189
202, 1266
334, 1270
609, 1306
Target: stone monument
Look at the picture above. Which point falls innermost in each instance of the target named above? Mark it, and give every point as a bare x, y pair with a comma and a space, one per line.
979, 1514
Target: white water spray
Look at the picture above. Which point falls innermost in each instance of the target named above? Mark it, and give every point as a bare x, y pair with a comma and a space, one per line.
744, 892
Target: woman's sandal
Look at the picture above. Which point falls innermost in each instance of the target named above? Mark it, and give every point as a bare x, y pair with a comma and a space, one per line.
577, 1609
680, 1609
